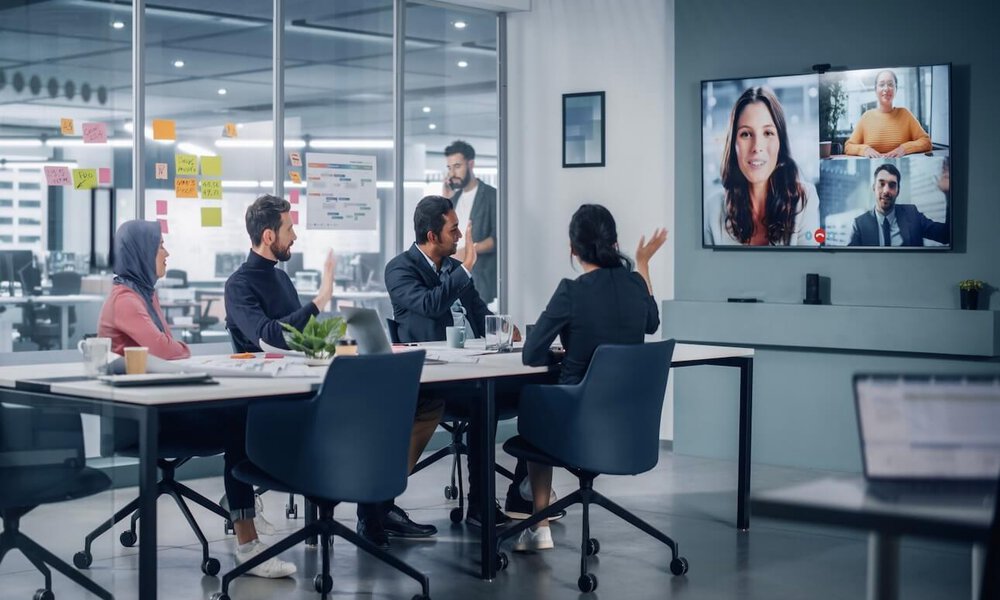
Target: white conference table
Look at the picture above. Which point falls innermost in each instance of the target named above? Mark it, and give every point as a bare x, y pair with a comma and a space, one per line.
64, 386
63, 302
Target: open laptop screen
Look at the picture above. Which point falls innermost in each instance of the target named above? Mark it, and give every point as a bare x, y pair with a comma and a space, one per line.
929, 428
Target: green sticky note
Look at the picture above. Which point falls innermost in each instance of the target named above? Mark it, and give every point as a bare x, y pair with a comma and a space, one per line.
211, 189
211, 216
84, 179
185, 164
211, 166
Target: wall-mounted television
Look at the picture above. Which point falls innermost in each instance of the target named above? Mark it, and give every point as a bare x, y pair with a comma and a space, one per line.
853, 160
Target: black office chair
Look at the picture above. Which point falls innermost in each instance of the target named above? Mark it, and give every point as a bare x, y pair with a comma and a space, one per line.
608, 423
42, 462
456, 423
31, 280
990, 589
40, 324
179, 275
177, 446
349, 443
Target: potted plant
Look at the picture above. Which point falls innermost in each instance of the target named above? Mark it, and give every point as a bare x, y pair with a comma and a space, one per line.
317, 340
968, 290
832, 107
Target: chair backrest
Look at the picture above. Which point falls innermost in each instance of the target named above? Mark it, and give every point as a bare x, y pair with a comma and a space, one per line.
610, 421
33, 442
178, 274
66, 283
348, 443
31, 280
393, 326
990, 589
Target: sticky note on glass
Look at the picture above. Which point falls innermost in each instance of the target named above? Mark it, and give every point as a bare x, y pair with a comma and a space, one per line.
95, 133
211, 166
229, 130
104, 175
164, 129
161, 207
296, 178
161, 170
164, 228
186, 187
295, 158
211, 216
185, 164
66, 126
58, 176
293, 196
295, 217
84, 179
211, 189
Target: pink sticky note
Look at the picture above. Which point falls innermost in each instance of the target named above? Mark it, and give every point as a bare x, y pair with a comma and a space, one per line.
95, 133
295, 217
58, 176
161, 170
164, 228
293, 196
104, 175
161, 207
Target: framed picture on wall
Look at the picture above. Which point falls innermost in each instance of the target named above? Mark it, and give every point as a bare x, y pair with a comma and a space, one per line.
583, 129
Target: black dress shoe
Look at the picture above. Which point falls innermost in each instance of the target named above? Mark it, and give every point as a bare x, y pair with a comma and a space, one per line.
374, 532
398, 524
473, 516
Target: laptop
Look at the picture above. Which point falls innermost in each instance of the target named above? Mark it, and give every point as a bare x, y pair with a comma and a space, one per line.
929, 435
365, 326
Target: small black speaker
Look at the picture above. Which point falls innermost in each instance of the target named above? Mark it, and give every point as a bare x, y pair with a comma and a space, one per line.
812, 289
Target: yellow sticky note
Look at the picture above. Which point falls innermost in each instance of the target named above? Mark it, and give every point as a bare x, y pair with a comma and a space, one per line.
229, 130
84, 179
66, 126
211, 166
211, 189
211, 216
185, 164
185, 187
296, 178
164, 129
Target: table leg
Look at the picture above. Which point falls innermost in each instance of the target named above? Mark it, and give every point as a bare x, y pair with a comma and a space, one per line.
64, 327
743, 484
978, 564
883, 566
487, 481
148, 443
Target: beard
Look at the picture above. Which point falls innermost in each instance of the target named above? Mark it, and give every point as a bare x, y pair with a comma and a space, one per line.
459, 184
282, 254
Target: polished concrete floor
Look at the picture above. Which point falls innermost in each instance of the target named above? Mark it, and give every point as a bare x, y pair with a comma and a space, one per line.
691, 499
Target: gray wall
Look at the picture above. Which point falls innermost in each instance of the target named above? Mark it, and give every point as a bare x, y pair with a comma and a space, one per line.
803, 413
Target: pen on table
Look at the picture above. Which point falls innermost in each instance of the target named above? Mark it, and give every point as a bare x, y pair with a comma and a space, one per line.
242, 355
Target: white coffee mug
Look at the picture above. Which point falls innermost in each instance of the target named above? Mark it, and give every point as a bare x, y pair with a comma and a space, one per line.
95, 353
455, 337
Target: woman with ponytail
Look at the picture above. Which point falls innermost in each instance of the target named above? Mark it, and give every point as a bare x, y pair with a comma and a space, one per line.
609, 304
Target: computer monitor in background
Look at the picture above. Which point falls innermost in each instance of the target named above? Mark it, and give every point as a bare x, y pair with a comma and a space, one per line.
343, 275
294, 264
226, 263
11, 264
368, 270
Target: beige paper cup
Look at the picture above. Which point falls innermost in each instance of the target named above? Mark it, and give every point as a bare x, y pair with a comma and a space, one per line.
135, 360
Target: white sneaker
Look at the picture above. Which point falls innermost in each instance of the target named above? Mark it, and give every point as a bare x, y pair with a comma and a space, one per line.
272, 568
531, 540
263, 526
525, 489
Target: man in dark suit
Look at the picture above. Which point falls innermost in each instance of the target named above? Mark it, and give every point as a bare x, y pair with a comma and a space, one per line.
475, 202
891, 224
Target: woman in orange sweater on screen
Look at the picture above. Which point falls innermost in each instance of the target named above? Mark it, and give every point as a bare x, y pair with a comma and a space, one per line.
886, 131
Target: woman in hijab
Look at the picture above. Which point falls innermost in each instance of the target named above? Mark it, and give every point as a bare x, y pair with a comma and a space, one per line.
131, 315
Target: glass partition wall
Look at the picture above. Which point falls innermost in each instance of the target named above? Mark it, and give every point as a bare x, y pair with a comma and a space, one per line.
208, 101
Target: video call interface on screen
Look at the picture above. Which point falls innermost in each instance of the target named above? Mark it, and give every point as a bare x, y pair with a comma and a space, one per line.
855, 159
930, 428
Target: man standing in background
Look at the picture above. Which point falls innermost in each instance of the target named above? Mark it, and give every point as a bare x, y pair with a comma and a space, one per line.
474, 201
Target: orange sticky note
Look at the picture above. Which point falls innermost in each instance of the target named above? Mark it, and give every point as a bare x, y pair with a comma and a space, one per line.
161, 207
295, 217
229, 130
186, 187
66, 126
296, 178
164, 228
95, 133
164, 129
161, 170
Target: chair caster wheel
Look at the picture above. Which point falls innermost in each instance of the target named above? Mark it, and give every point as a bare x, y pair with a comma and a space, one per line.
456, 515
219, 596
128, 538
679, 566
44, 595
210, 567
292, 511
587, 583
593, 547
323, 584
450, 492
82, 560
502, 561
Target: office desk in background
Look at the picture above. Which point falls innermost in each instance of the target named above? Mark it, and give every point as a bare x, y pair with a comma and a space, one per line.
846, 502
63, 302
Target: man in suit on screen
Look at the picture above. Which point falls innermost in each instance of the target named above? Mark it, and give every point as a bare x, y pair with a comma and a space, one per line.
892, 224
